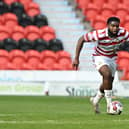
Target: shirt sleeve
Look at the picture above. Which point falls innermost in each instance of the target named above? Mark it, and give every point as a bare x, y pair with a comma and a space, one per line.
91, 36
127, 36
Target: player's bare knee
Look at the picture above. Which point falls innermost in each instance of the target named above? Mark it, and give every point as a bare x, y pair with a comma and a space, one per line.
107, 75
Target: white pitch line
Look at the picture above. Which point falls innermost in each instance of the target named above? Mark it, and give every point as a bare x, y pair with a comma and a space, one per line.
7, 115
56, 122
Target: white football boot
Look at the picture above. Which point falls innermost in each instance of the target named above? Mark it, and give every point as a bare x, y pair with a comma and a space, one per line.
95, 105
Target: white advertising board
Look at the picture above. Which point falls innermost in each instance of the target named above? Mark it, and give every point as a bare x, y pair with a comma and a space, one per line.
22, 88
66, 83
48, 75
85, 88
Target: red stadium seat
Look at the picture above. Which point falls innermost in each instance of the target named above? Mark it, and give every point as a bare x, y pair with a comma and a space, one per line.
123, 63
64, 58
47, 33
9, 2
121, 12
126, 23
47, 29
122, 54
11, 66
91, 12
10, 20
17, 57
66, 66
33, 9
99, 3
26, 66
107, 11
113, 2
57, 66
32, 32
4, 32
48, 57
25, 2
63, 54
82, 4
125, 75
33, 58
48, 36
99, 22
18, 33
1, 20
45, 66
4, 58
123, 60
125, 2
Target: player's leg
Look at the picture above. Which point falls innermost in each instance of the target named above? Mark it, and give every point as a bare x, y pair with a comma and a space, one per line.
95, 101
106, 73
98, 61
107, 68
105, 88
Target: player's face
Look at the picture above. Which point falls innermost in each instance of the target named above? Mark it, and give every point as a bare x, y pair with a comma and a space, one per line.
113, 27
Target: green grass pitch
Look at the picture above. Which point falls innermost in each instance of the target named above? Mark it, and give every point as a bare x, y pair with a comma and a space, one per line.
47, 112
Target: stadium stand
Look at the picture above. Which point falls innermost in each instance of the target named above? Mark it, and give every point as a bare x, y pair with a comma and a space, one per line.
104, 8
68, 27
25, 35
24, 24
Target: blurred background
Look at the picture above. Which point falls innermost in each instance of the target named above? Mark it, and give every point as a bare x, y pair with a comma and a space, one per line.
37, 45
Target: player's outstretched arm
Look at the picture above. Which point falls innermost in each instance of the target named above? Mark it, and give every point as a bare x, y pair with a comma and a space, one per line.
77, 53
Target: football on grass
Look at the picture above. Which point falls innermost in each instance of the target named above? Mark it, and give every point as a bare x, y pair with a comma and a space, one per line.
116, 108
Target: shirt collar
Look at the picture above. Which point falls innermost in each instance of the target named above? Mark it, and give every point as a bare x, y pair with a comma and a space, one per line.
106, 32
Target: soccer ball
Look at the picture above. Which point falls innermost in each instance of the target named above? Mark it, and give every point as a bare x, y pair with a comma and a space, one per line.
116, 108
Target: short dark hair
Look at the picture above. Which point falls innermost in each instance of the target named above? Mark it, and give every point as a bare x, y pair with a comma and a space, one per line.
110, 19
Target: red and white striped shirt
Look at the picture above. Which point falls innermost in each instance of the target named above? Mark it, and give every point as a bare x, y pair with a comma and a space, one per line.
106, 46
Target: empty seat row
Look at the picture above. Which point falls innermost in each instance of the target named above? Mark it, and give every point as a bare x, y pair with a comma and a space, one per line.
10, 19
30, 32
23, 17
106, 10
31, 8
122, 64
100, 22
82, 4
45, 60
97, 15
25, 44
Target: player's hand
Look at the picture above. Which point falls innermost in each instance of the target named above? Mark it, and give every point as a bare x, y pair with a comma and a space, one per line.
75, 64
